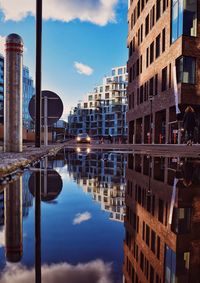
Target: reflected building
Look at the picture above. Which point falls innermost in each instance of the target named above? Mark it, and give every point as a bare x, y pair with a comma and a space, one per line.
13, 221
102, 174
162, 222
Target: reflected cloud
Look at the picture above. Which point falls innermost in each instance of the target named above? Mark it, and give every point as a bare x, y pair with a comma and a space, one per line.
95, 271
81, 217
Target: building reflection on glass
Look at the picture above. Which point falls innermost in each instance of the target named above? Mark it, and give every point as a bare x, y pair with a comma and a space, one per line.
102, 174
162, 222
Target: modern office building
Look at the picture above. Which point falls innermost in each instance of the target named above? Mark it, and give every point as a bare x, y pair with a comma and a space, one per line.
1, 87
162, 223
28, 92
163, 67
103, 112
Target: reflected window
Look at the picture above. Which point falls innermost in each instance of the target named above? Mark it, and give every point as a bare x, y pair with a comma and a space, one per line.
170, 265
181, 220
184, 18
186, 70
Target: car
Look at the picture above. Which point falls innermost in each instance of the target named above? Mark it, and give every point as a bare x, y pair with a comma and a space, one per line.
83, 138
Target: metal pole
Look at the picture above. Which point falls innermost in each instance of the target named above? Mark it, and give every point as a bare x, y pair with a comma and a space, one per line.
38, 73
45, 120
38, 226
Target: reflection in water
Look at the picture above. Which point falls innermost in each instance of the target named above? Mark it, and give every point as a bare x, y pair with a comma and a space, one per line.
162, 223
92, 272
102, 174
13, 220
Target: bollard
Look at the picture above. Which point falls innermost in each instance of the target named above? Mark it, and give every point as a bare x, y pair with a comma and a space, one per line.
13, 94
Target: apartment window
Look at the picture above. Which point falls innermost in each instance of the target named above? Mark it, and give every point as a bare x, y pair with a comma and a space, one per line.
151, 274
141, 33
186, 70
142, 5
156, 84
184, 18
130, 49
158, 46
138, 96
142, 261
163, 40
134, 16
140, 64
147, 57
133, 72
165, 5
138, 34
158, 247
160, 210
133, 100
143, 231
138, 9
170, 75
137, 67
141, 101
147, 235
164, 79
181, 220
130, 75
151, 52
151, 87
132, 21
158, 9
133, 45
129, 101
147, 25
152, 18
153, 241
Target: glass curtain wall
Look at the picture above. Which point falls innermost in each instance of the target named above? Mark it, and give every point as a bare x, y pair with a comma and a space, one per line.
184, 18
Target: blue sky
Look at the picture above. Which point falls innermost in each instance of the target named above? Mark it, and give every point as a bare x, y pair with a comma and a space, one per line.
90, 33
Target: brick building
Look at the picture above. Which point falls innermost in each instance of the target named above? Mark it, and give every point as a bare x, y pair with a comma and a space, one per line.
163, 67
162, 242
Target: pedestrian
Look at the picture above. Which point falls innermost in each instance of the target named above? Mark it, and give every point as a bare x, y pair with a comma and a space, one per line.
189, 123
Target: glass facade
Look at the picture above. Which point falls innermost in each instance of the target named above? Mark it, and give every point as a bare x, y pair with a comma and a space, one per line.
186, 70
184, 18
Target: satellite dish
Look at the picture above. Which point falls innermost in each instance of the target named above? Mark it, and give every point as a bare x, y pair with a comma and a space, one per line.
54, 107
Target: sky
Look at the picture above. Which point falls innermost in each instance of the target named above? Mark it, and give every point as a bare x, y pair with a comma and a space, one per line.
82, 41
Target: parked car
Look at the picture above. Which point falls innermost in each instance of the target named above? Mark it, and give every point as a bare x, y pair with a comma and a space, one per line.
83, 138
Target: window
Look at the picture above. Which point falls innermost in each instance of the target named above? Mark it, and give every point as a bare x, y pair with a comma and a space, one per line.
147, 235
130, 75
186, 70
132, 21
165, 5
138, 34
141, 101
151, 87
137, 67
160, 210
141, 35
164, 79
158, 46
158, 247
142, 7
140, 64
163, 40
152, 19
156, 84
151, 52
147, 25
170, 75
158, 9
147, 57
184, 18
153, 241
138, 9
181, 220
133, 72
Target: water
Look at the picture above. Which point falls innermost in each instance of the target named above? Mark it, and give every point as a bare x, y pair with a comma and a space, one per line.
85, 198
82, 214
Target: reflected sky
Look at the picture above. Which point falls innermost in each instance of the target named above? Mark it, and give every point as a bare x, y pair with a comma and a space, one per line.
82, 213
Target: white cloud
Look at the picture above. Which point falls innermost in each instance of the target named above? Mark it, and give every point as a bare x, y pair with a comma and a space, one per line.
99, 12
95, 271
83, 69
2, 45
81, 217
